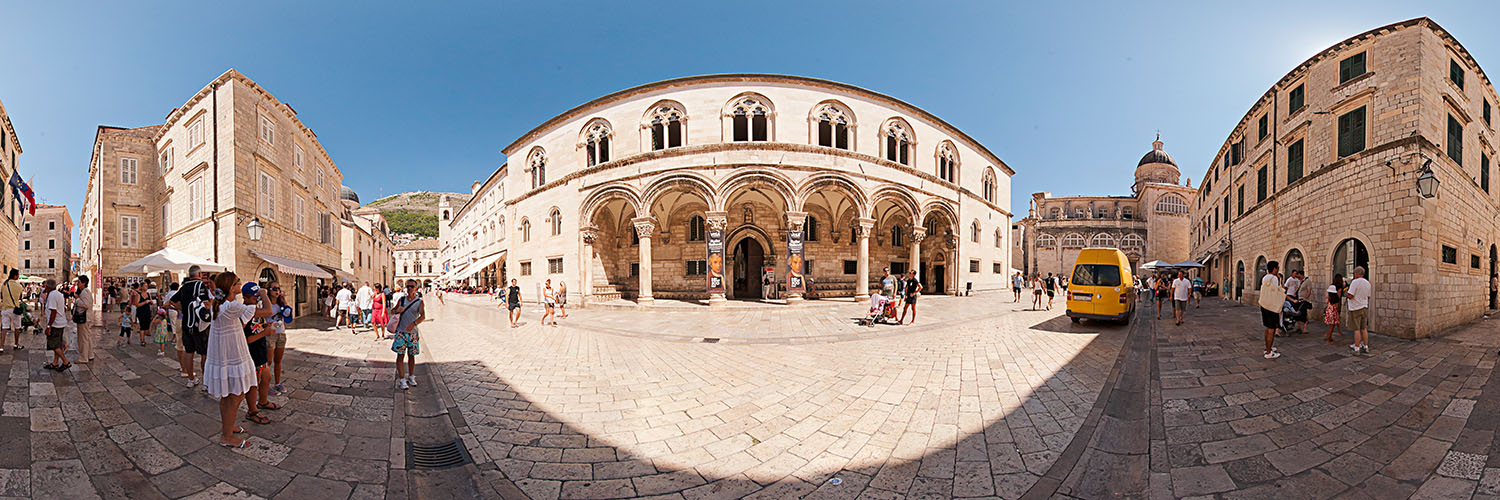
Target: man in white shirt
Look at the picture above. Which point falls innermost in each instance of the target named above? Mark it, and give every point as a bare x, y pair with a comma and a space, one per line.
343, 299
85, 302
1359, 311
57, 320
1269, 318
366, 300
1182, 291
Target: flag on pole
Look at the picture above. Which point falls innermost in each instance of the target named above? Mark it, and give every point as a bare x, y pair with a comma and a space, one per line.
22, 190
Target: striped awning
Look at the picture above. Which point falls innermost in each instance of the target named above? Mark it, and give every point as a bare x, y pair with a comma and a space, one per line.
293, 266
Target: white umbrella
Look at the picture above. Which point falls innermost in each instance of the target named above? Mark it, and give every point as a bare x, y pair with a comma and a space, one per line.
169, 260
1187, 263
1155, 264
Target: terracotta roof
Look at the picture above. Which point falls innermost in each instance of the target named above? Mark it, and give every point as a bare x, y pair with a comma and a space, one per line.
419, 245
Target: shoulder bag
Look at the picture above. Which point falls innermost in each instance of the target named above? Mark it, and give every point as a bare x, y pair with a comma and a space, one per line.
1272, 296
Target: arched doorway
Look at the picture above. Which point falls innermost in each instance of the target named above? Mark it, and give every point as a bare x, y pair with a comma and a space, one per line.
749, 262
1350, 253
1239, 280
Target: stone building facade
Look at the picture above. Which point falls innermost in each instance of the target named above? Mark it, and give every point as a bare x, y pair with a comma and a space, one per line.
1150, 224
367, 254
46, 243
10, 207
472, 236
418, 260
231, 154
619, 193
1322, 174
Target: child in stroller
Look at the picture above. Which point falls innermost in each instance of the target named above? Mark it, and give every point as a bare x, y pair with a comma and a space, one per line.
1292, 312
882, 310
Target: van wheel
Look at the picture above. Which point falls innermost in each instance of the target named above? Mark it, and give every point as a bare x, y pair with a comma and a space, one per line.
1126, 321
1074, 318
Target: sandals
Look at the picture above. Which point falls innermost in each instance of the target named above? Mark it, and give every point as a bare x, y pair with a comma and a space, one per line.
268, 406
243, 443
258, 418
239, 430
50, 366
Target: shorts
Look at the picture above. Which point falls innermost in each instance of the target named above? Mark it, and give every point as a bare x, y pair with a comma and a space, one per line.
55, 338
276, 340
911, 300
9, 319
1050, 294
1016, 289
258, 352
513, 306
1269, 318
194, 342
1180, 305
1359, 319
406, 344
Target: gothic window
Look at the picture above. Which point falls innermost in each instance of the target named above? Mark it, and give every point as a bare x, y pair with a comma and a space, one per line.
898, 141
1046, 241
537, 164
831, 123
695, 228
556, 219
974, 232
596, 142
1132, 241
525, 230
998, 238
947, 162
1073, 240
1102, 241
1171, 204
989, 185
897, 236
810, 228
665, 121
750, 119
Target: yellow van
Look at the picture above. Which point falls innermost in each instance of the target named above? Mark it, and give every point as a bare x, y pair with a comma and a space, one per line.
1102, 286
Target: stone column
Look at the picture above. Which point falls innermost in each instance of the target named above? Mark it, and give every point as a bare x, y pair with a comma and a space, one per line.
917, 233
718, 221
586, 259
645, 227
862, 228
794, 222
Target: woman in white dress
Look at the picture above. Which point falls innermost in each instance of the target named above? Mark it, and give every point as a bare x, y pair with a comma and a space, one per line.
228, 371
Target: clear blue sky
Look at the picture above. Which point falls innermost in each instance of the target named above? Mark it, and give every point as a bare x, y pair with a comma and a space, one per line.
409, 95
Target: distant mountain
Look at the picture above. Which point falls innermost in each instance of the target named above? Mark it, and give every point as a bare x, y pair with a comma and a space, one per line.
415, 212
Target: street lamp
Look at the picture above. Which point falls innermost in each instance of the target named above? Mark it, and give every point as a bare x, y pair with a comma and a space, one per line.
1427, 183
255, 228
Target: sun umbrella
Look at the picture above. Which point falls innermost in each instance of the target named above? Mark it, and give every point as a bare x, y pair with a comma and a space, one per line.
169, 260
1187, 263
1155, 264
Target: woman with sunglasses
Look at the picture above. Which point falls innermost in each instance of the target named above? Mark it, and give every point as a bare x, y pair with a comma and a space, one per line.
276, 340
229, 372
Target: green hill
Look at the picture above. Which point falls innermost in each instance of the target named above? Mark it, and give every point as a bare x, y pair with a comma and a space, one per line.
415, 212
413, 222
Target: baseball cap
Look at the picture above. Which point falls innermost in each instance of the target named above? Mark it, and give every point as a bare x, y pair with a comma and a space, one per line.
251, 289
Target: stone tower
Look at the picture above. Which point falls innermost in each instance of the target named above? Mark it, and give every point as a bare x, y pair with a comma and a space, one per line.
445, 217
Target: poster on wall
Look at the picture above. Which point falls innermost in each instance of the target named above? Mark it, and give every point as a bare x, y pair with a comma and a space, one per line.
715, 261
794, 262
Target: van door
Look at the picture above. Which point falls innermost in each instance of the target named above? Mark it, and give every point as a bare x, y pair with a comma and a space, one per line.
1080, 293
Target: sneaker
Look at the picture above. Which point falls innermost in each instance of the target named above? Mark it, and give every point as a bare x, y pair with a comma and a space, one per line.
411, 380
279, 388
402, 384
1355, 347
1272, 355
192, 381
1364, 349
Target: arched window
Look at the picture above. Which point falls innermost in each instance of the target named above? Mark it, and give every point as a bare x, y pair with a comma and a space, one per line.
1293, 262
750, 119
445, 215
1260, 270
405, 268
1349, 254
1046, 241
536, 162
1171, 204
429, 267
998, 238
525, 230
665, 121
831, 122
596, 141
931, 226
1072, 240
947, 162
1132, 241
267, 275
898, 237
695, 228
974, 232
500, 228
810, 228
989, 185
1102, 240
556, 219
898, 141
1239, 276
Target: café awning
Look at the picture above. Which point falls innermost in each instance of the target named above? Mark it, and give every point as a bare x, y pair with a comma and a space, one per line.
293, 266
168, 259
479, 265
341, 274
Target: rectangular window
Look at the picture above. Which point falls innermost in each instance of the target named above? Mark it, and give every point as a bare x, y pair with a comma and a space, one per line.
325, 229
26, 245
52, 263
166, 160
267, 130
51, 225
129, 171
1237, 152
1240, 209
1260, 185
554, 265
1296, 99
130, 231
166, 218
1294, 162
267, 196
996, 268
1262, 129
851, 267
526, 268
1455, 140
1226, 207
1352, 132
1351, 67
196, 200
1474, 261
195, 133
1450, 255
973, 265
898, 268
1456, 73
320, 178
1484, 173
51, 244
27, 264
1487, 112
298, 156
697, 267
299, 213
635, 268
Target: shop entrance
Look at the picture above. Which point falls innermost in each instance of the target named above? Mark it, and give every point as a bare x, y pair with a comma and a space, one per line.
749, 262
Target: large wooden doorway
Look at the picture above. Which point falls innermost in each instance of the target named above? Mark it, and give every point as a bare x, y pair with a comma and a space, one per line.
749, 261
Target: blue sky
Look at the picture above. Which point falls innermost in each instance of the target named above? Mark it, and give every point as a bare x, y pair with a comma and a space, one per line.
422, 95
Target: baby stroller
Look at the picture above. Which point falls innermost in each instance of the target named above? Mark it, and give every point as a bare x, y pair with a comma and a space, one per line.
1292, 312
882, 310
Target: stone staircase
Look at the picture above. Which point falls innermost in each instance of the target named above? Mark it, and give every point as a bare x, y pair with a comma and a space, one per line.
601, 289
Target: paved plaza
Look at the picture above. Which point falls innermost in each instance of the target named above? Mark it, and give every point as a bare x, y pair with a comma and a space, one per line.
981, 398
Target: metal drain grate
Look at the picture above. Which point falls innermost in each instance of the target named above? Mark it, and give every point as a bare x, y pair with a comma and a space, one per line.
710, 340
438, 456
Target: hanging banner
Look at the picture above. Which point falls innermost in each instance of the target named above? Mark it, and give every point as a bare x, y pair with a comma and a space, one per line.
715, 261
794, 262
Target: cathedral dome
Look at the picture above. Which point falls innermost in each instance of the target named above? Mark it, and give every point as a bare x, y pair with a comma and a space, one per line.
1157, 167
1156, 156
347, 194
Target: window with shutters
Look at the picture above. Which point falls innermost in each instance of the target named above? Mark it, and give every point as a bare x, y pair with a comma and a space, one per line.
1484, 172
299, 213
130, 231
1237, 153
267, 130
267, 199
1294, 161
810, 228
166, 218
554, 265
696, 230
526, 268
325, 229
898, 237
1455, 140
195, 133
1240, 201
1351, 130
1456, 73
1351, 67
1261, 128
166, 160
129, 171
1296, 98
1260, 185
973, 265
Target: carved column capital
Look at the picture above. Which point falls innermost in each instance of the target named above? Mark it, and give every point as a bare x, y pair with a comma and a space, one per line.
716, 221
918, 234
590, 234
863, 226
645, 227
795, 220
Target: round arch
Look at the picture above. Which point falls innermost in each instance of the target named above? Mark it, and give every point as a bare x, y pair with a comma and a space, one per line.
687, 181
897, 197
755, 177
600, 196
830, 181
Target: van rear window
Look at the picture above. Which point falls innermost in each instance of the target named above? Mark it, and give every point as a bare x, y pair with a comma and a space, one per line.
1096, 275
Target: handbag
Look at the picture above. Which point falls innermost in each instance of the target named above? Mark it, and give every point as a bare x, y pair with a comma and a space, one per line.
80, 314
1271, 297
19, 309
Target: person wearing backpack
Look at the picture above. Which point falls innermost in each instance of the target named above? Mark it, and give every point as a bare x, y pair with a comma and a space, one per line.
11, 295
406, 315
193, 301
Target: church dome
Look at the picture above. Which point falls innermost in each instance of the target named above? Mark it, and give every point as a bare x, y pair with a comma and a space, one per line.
1156, 156
1157, 167
347, 194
